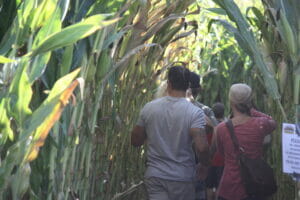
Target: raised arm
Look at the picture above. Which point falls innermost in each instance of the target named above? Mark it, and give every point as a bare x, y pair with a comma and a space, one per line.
269, 124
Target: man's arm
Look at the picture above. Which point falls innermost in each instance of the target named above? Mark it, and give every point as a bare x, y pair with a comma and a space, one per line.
138, 136
213, 145
201, 145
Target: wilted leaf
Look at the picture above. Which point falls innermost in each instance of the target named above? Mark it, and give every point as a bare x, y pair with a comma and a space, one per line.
57, 102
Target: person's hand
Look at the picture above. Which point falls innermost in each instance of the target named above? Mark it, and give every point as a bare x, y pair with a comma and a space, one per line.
201, 171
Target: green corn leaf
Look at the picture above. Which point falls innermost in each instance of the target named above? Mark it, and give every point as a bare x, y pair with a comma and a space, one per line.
15, 153
53, 106
39, 63
239, 38
72, 34
20, 94
5, 60
66, 60
20, 181
5, 130
38, 66
52, 25
218, 11
244, 30
44, 13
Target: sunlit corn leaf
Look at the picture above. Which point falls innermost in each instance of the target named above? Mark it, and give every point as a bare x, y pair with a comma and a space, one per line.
218, 11
20, 94
43, 130
5, 129
235, 15
44, 13
45, 109
5, 60
239, 38
72, 34
52, 26
17, 152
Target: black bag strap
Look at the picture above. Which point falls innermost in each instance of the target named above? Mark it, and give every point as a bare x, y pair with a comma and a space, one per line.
234, 139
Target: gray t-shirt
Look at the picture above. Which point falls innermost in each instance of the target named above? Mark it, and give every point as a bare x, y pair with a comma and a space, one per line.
167, 122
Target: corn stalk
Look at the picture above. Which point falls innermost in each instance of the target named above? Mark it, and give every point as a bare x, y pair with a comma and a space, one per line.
86, 154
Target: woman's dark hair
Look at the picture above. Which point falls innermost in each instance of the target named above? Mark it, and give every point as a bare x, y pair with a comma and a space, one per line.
179, 78
244, 108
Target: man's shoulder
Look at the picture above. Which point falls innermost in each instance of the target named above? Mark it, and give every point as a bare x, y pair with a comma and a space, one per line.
194, 109
153, 103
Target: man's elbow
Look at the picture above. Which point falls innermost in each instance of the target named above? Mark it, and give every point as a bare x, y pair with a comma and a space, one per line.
135, 142
137, 136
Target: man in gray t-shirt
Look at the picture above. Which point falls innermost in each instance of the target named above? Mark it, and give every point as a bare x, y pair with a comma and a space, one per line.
169, 125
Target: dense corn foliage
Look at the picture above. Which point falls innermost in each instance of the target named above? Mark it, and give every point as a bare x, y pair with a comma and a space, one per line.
115, 47
75, 74
275, 52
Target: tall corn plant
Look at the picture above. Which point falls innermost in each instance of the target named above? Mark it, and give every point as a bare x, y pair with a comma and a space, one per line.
277, 58
26, 50
87, 154
127, 70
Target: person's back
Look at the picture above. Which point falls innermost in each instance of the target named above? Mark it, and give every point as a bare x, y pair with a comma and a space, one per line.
250, 128
167, 123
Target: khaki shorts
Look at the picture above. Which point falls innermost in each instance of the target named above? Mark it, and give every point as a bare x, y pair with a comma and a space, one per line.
161, 189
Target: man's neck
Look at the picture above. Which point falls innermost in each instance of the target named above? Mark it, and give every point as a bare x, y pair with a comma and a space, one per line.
176, 93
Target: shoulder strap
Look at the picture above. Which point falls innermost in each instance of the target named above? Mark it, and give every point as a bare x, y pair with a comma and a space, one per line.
232, 135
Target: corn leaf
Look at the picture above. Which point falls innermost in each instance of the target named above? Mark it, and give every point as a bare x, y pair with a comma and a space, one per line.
5, 130
39, 63
47, 113
236, 16
42, 131
20, 94
72, 34
66, 60
52, 26
5, 60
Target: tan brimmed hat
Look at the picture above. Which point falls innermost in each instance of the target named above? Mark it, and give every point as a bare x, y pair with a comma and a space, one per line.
240, 93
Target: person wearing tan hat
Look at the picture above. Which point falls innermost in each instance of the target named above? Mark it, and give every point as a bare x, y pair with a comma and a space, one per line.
250, 127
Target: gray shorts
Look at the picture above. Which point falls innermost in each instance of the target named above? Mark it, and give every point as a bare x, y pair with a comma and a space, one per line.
161, 189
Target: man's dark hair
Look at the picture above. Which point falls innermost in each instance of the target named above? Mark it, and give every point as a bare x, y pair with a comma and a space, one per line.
195, 84
179, 78
195, 80
218, 109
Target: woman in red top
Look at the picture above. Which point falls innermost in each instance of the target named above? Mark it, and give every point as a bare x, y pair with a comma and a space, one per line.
250, 127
